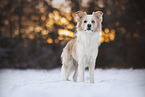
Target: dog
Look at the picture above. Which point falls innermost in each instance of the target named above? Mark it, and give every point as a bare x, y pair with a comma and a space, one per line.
82, 51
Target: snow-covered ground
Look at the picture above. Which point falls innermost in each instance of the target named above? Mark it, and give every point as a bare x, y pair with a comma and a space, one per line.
43, 83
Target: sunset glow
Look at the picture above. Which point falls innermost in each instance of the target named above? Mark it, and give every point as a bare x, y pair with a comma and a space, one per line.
70, 26
49, 40
64, 21
44, 32
56, 41
43, 18
38, 28
64, 32
107, 35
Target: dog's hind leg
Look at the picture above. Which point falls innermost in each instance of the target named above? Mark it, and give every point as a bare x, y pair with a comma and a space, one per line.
75, 75
66, 70
76, 71
65, 73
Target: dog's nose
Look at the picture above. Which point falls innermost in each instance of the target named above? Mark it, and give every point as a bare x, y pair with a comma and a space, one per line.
89, 25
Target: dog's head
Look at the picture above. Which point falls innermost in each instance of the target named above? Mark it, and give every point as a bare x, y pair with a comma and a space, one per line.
89, 23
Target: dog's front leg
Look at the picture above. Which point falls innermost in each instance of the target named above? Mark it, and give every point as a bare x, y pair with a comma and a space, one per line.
91, 70
81, 69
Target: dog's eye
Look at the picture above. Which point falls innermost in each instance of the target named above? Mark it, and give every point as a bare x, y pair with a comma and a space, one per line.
85, 21
93, 21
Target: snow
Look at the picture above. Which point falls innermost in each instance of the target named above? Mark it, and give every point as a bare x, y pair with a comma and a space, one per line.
48, 83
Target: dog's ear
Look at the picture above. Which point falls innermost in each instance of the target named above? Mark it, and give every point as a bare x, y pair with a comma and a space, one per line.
98, 14
80, 15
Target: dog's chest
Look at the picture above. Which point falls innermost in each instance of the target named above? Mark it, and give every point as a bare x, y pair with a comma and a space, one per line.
87, 44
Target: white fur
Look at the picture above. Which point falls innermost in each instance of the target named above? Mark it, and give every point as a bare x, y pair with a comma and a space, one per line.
87, 51
89, 19
81, 52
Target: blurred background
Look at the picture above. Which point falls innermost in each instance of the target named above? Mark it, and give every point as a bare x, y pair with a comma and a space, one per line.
34, 32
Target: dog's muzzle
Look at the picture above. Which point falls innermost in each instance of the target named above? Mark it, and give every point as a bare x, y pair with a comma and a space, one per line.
89, 27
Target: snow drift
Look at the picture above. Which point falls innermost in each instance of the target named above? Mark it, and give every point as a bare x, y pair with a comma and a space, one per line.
43, 83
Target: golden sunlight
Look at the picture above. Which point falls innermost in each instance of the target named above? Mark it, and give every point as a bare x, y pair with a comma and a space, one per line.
50, 15
112, 35
49, 40
70, 26
64, 21
56, 15
64, 32
49, 23
107, 36
44, 32
106, 30
56, 41
60, 37
43, 18
38, 28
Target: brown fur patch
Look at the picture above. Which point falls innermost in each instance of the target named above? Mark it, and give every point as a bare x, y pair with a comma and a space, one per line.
99, 25
70, 48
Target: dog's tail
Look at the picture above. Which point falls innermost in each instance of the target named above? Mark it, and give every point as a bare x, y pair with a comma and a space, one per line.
67, 60
64, 56
64, 59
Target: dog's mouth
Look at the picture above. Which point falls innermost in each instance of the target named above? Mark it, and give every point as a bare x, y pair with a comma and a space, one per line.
89, 29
